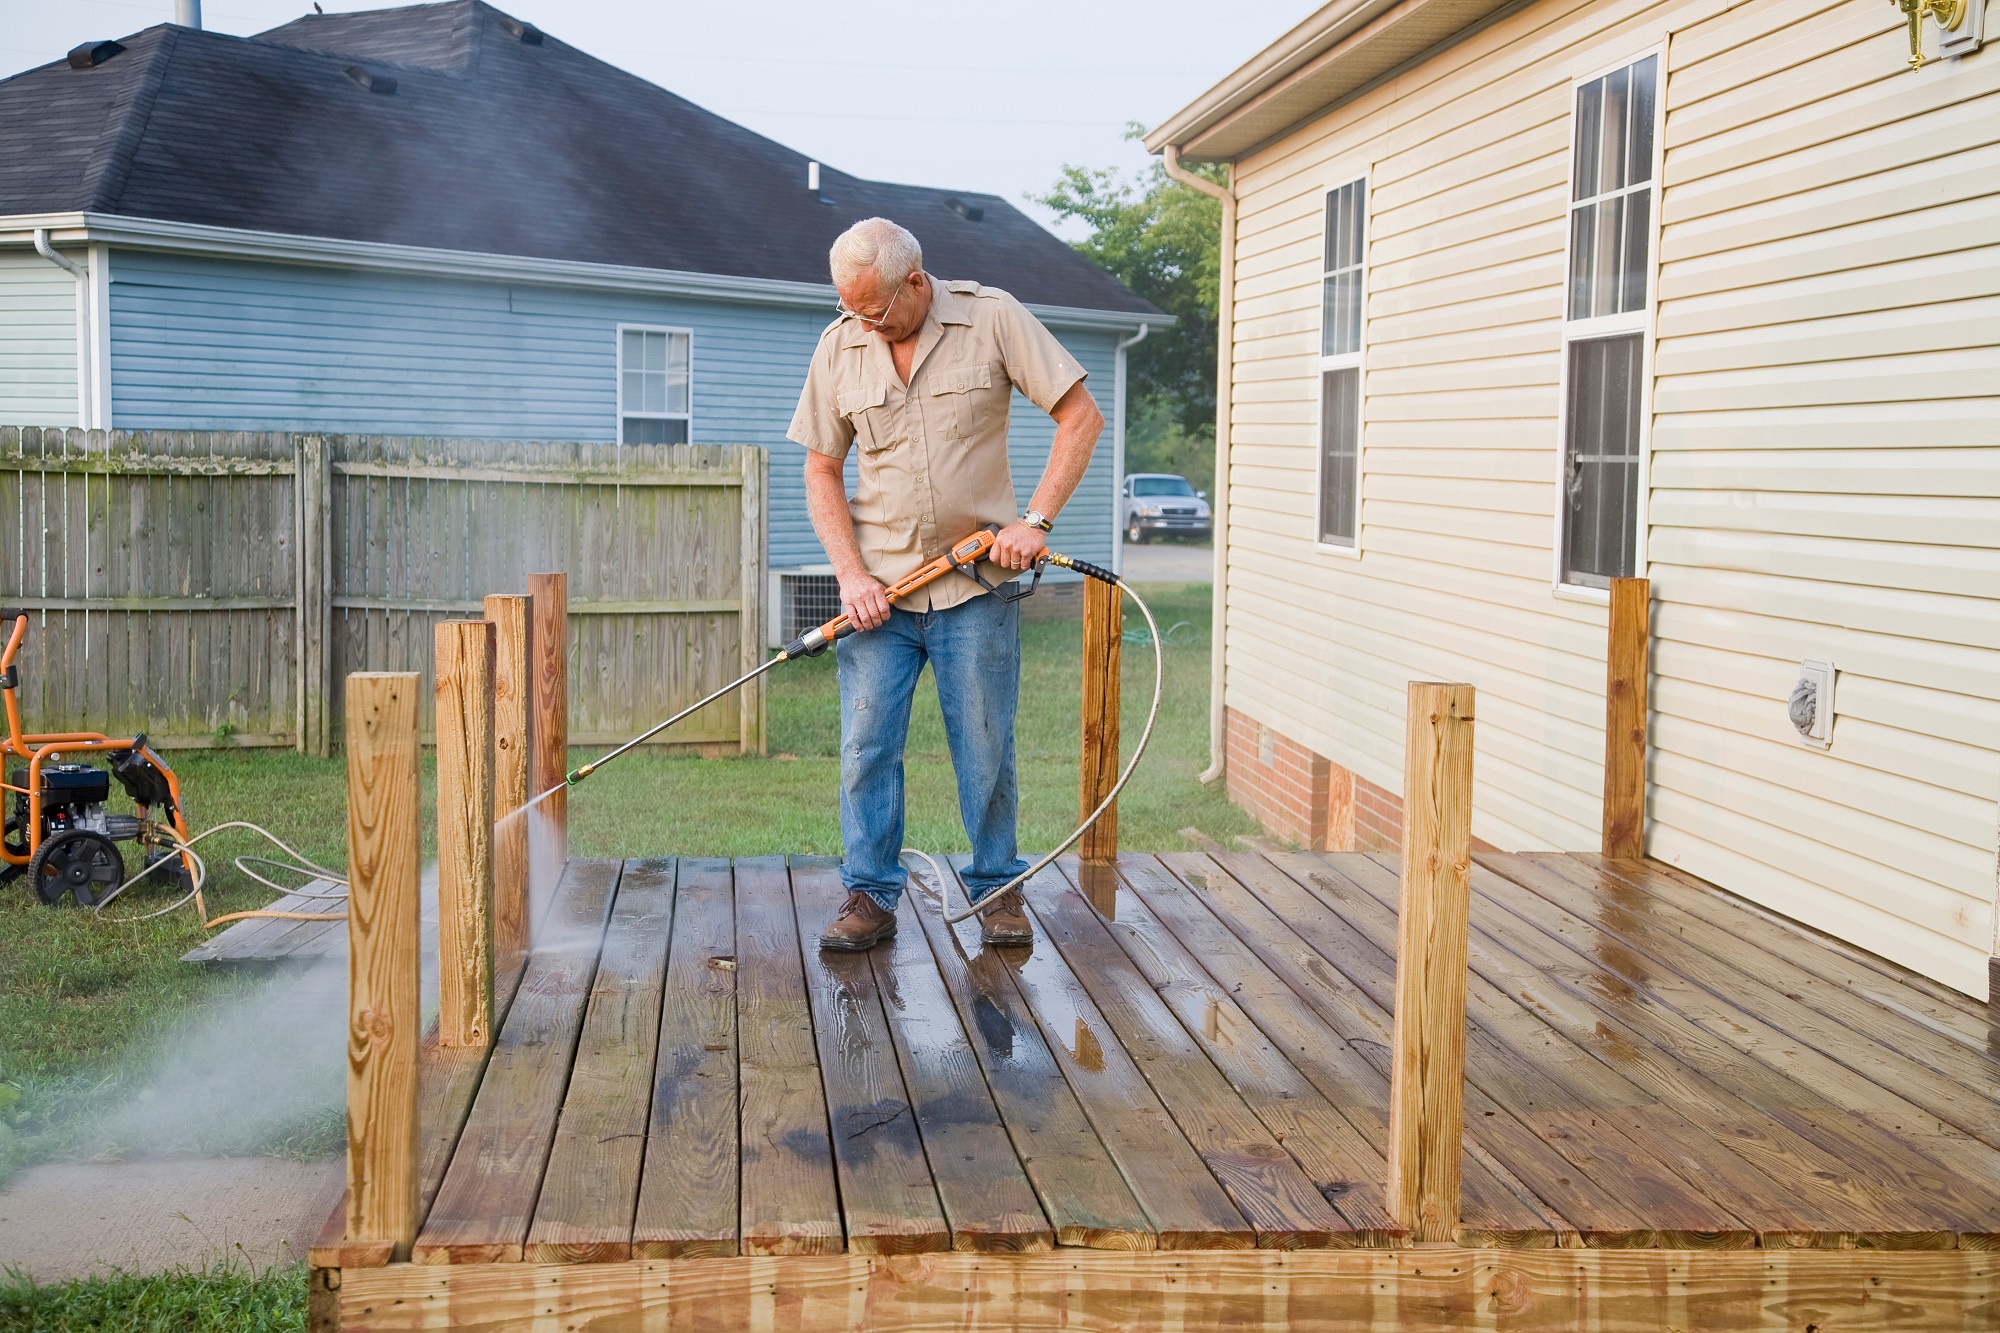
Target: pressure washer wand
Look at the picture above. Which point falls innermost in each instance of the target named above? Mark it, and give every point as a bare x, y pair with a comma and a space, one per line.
962, 556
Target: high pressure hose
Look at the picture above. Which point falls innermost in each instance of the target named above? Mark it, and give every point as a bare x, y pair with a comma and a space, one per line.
993, 898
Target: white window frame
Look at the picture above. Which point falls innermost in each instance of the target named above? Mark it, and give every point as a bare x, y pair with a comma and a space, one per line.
1345, 361
1642, 321
618, 364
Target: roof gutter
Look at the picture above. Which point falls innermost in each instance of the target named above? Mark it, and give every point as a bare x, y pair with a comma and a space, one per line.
326, 251
1225, 338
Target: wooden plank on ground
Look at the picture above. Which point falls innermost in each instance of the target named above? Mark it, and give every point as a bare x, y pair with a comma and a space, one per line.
254, 939
1295, 996
790, 1203
687, 1192
1274, 1194
1087, 1201
591, 1184
1333, 1291
1954, 1081
1571, 953
483, 1210
1674, 1169
988, 1202
1799, 1195
1580, 1168
1341, 1163
1189, 1209
887, 1196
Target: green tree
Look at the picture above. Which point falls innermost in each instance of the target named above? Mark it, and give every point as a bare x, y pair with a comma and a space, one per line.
1161, 239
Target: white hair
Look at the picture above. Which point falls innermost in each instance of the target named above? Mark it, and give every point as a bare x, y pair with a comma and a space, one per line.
877, 245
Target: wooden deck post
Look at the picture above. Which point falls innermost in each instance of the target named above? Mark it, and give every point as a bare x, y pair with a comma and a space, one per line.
551, 730
1628, 647
1103, 628
513, 688
384, 1004
1427, 1076
464, 692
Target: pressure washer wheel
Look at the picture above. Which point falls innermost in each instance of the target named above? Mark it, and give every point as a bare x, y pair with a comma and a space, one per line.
78, 864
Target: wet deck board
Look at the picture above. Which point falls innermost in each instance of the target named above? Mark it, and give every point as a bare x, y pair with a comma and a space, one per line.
1198, 1060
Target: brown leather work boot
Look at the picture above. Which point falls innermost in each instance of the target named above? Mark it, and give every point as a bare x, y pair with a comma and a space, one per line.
1007, 923
861, 924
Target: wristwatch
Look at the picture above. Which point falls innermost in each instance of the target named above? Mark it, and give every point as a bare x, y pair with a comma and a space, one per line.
1035, 519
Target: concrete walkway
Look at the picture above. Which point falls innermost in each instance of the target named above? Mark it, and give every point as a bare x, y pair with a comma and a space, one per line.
75, 1219
1169, 562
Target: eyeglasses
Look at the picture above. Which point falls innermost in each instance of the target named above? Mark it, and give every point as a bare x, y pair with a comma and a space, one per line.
879, 320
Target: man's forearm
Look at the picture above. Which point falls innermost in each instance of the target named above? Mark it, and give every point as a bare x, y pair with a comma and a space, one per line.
826, 504
1078, 424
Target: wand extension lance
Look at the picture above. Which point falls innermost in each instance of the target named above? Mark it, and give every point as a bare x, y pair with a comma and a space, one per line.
962, 556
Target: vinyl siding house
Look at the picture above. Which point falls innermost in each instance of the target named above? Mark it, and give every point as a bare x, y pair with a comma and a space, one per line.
1521, 297
439, 221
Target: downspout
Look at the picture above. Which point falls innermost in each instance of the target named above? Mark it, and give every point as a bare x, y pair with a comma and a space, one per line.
82, 276
1225, 337
1118, 448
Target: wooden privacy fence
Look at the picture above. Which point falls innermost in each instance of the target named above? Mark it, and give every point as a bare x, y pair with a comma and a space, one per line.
209, 587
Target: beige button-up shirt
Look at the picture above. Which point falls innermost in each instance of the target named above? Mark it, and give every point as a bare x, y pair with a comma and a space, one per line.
933, 463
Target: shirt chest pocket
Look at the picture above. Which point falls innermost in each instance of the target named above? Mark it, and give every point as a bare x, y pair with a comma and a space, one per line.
866, 409
962, 400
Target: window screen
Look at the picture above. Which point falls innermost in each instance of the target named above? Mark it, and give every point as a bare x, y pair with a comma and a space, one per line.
1601, 460
1340, 455
653, 386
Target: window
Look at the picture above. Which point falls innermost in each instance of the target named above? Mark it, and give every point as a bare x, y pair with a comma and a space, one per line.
1604, 335
652, 386
1161, 486
1340, 365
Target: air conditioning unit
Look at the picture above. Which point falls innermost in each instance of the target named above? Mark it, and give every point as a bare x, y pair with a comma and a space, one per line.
801, 599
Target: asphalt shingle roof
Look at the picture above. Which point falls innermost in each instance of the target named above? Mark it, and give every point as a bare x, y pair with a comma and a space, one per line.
490, 143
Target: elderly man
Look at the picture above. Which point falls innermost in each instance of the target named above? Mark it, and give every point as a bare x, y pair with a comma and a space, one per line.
918, 373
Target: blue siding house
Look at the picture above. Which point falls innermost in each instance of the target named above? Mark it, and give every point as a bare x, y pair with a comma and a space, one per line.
438, 220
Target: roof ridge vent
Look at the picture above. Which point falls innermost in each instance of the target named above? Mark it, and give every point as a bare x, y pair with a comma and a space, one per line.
380, 84
93, 53
525, 33
970, 212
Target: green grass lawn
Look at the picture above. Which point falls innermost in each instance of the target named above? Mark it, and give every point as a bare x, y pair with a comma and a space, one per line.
85, 1000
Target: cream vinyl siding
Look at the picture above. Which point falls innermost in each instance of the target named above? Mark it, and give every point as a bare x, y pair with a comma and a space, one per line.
1824, 472
37, 341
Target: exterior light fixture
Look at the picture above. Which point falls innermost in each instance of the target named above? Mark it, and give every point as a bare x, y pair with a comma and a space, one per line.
1949, 15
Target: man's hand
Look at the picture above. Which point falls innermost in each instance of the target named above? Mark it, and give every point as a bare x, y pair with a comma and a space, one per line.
865, 600
1017, 547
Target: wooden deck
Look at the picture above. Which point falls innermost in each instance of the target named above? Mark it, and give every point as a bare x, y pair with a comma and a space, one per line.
1199, 1064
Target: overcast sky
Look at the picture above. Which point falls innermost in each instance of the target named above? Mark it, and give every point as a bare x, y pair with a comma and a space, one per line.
989, 95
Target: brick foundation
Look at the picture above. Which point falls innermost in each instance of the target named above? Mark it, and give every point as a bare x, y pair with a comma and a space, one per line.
1304, 798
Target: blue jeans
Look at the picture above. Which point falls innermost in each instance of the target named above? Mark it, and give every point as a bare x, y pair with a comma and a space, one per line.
974, 650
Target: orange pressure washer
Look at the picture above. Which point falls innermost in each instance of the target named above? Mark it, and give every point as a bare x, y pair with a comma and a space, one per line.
58, 832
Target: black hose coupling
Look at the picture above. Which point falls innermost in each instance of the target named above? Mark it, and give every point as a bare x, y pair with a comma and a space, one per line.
1085, 568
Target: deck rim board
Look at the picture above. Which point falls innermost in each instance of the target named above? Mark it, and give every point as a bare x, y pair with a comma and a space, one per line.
1604, 1215
1345, 1167
787, 1197
1498, 1208
1085, 1197
1818, 1001
590, 1183
1805, 1110
990, 1206
1568, 890
688, 1182
487, 1198
888, 1196
1630, 1167
1188, 1207
1669, 1079
1968, 1006
1268, 1186
1764, 1201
